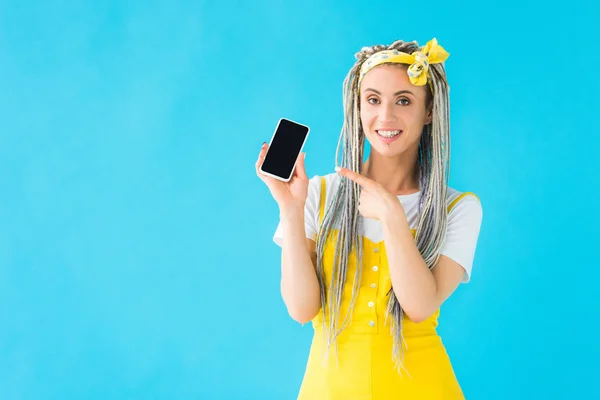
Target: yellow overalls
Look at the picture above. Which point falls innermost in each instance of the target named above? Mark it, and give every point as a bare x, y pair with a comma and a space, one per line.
364, 369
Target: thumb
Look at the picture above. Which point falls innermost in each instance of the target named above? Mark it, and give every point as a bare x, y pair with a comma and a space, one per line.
300, 168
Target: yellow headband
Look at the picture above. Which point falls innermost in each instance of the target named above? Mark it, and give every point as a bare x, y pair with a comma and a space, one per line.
419, 61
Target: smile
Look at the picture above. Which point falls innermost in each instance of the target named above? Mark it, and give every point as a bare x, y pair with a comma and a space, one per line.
388, 133
388, 136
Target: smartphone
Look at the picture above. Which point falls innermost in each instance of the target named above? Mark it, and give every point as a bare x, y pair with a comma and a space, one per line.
285, 147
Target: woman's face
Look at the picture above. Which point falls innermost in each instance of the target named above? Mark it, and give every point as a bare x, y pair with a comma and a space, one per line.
393, 111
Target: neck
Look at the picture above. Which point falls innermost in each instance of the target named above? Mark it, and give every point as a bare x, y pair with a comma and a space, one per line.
400, 176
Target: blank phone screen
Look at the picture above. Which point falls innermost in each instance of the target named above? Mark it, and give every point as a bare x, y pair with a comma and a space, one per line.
284, 149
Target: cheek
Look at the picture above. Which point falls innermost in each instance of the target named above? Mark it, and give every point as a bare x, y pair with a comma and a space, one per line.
366, 118
416, 118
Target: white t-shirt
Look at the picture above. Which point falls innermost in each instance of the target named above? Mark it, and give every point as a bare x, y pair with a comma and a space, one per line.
462, 233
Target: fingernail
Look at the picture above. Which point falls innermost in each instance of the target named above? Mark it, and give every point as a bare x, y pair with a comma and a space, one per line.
304, 155
337, 169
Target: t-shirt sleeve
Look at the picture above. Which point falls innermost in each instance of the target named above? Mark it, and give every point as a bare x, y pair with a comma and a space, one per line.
311, 212
462, 234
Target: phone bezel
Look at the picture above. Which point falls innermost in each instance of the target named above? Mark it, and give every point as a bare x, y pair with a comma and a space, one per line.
284, 179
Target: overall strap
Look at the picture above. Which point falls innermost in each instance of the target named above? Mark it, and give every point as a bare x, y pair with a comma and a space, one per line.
322, 201
457, 199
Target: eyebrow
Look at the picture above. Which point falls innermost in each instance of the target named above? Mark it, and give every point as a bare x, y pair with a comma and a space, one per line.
395, 94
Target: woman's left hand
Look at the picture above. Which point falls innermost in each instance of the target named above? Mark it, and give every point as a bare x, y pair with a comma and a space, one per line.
375, 201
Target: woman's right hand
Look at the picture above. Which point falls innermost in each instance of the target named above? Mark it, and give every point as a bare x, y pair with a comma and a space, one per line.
286, 194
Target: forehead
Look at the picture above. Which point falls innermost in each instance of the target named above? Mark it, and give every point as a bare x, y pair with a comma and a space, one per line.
388, 78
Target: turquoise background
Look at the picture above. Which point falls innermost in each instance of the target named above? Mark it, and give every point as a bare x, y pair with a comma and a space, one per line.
136, 253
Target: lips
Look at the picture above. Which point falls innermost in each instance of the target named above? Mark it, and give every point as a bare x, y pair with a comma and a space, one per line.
387, 136
388, 133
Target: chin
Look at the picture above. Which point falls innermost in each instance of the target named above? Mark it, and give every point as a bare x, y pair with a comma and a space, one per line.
389, 151
393, 149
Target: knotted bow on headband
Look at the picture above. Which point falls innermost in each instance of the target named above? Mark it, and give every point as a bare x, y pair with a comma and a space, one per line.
419, 61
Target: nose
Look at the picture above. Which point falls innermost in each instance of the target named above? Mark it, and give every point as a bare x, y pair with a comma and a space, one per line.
386, 114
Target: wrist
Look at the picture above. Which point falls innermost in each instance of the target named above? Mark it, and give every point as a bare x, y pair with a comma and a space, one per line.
396, 226
291, 210
393, 214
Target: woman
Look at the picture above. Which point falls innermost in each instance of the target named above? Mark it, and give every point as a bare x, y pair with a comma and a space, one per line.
370, 253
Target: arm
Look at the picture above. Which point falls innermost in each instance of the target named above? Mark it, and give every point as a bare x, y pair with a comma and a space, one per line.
299, 284
420, 291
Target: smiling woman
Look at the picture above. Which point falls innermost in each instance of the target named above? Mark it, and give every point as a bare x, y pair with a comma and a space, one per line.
370, 253
383, 113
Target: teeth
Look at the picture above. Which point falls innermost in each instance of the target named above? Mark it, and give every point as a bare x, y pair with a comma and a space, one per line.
388, 134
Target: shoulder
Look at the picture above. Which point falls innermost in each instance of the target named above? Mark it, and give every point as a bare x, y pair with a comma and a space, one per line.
332, 178
315, 184
462, 232
463, 208
456, 198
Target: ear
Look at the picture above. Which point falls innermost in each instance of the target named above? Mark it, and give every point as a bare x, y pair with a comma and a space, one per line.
429, 116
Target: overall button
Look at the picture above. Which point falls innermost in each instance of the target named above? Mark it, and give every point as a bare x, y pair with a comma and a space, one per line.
375, 268
371, 323
373, 285
371, 304
375, 250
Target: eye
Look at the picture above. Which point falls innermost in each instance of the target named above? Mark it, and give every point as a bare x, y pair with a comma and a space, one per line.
373, 100
404, 101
